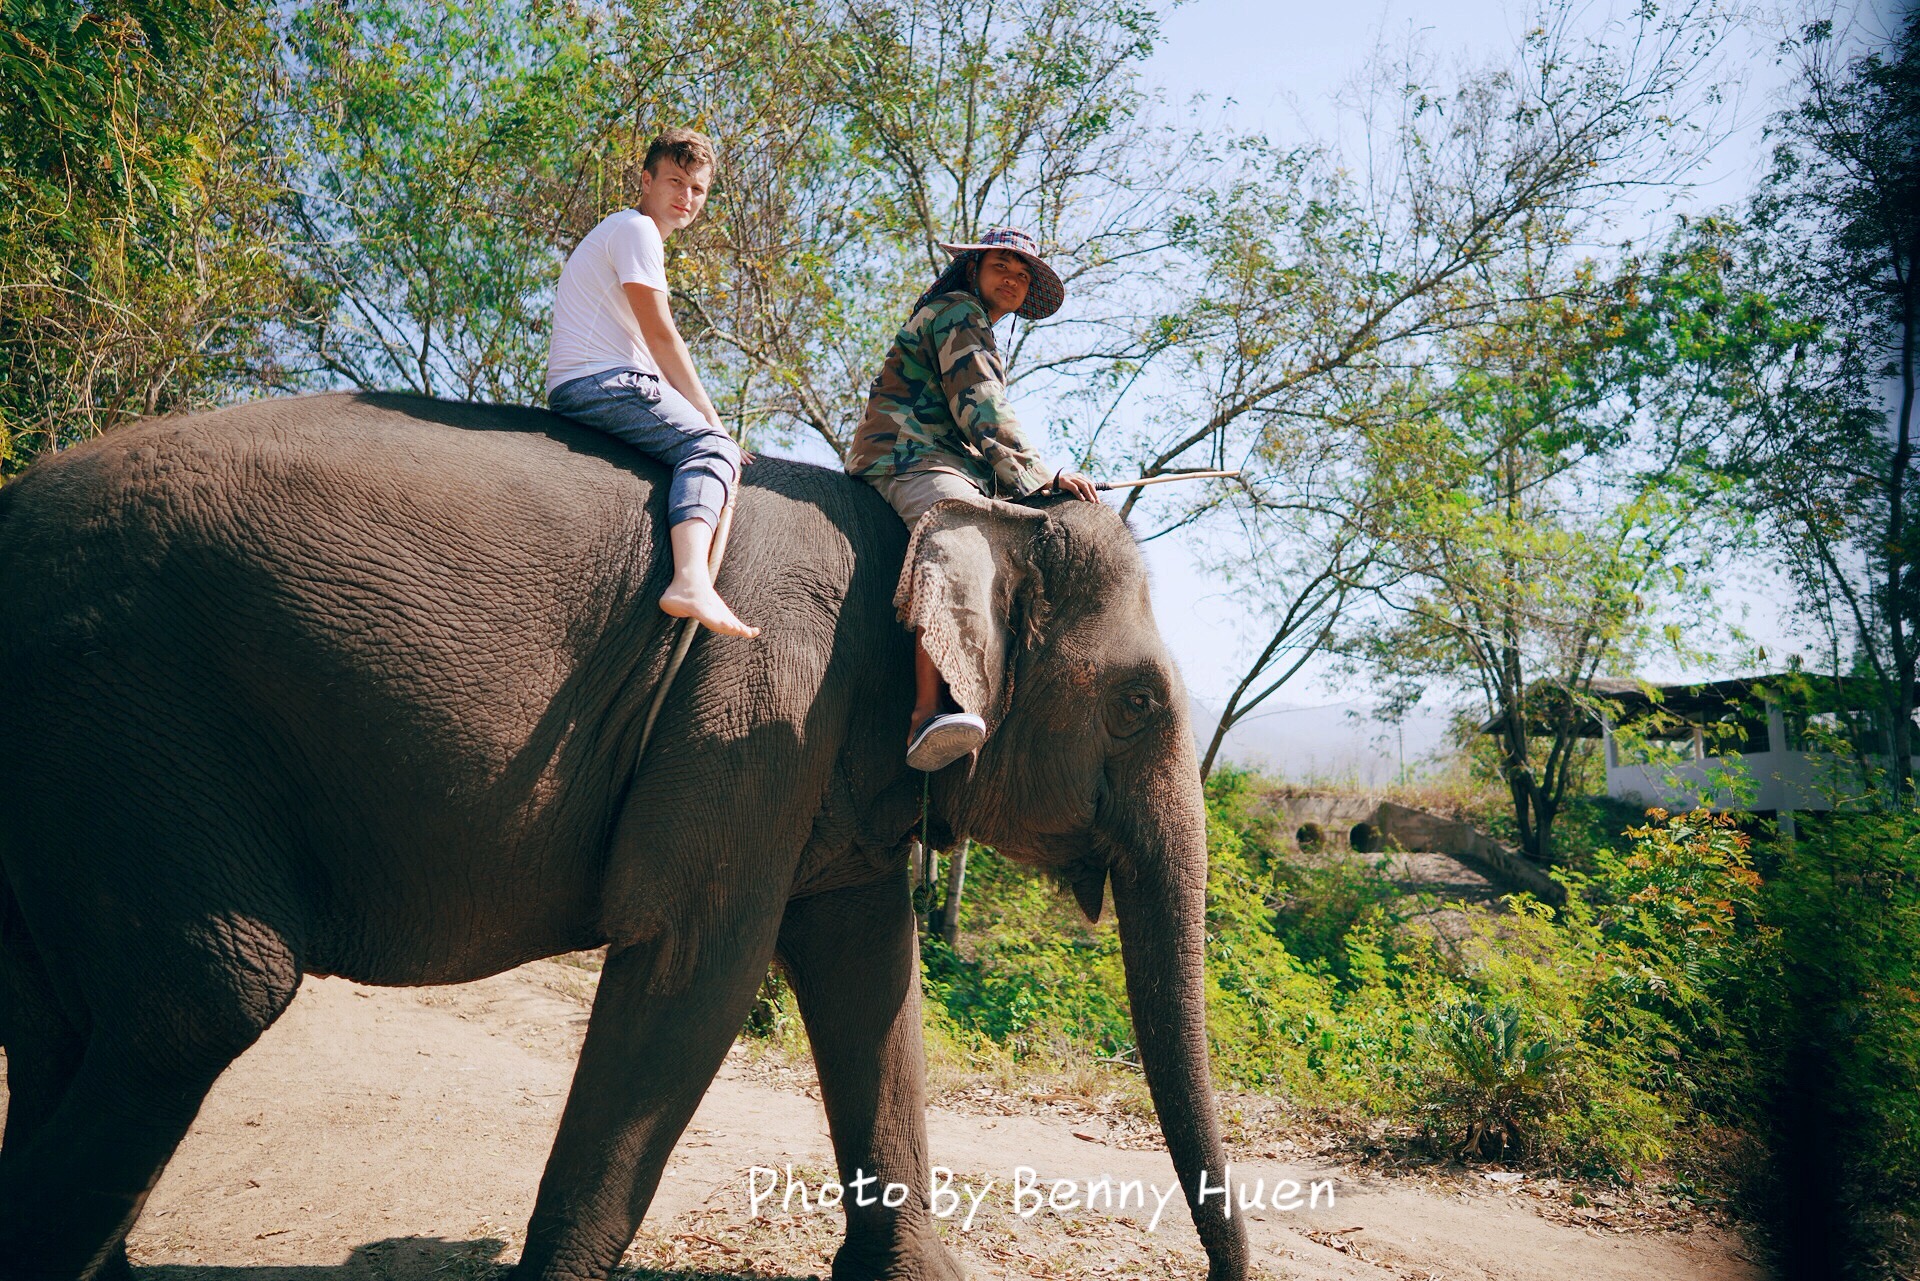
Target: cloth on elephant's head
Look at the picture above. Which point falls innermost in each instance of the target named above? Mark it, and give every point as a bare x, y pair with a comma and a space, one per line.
963, 578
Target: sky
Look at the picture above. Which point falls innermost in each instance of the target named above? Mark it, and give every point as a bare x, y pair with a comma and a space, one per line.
1277, 69
1283, 64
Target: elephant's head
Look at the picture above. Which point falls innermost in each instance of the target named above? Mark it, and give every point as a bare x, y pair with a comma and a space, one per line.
1039, 620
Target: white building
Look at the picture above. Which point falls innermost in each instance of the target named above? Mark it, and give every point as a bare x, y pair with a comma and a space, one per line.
1684, 745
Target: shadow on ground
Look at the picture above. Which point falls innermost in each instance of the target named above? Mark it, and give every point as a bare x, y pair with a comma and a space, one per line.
421, 1259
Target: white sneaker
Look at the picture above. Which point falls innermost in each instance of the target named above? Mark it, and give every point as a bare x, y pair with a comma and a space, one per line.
944, 739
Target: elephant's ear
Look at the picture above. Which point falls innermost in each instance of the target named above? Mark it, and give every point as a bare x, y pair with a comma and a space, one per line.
968, 587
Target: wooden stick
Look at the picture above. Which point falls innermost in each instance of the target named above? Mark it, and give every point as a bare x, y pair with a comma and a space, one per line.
1161, 480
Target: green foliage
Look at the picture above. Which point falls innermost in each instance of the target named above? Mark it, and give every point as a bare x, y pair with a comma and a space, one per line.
1502, 1079
1584, 1038
1585, 827
775, 1015
137, 272
406, 123
1559, 494
1372, 339
891, 127
1825, 451
442, 157
1831, 1012
1268, 1014
1039, 980
1319, 906
1678, 995
1680, 900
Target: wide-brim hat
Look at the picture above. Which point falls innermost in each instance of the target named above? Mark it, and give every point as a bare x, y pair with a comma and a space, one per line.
1045, 293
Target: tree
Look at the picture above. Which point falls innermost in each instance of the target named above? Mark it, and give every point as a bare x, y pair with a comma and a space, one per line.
1317, 290
450, 157
137, 261
1576, 482
442, 154
916, 122
1829, 462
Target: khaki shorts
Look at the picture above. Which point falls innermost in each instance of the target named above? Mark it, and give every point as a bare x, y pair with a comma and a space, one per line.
911, 493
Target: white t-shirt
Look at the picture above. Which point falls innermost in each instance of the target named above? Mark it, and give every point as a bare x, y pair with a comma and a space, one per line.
593, 324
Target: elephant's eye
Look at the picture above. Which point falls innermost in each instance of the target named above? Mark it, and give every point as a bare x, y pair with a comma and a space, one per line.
1131, 710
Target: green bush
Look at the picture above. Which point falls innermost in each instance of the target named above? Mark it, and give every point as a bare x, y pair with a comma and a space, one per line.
1589, 827
1270, 1018
1830, 1011
1503, 1076
1568, 1037
1318, 908
1674, 994
1564, 1035
1039, 981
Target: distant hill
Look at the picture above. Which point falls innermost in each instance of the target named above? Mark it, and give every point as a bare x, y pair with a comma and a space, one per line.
1337, 743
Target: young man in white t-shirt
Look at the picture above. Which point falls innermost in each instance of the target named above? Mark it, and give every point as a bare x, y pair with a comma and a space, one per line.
617, 362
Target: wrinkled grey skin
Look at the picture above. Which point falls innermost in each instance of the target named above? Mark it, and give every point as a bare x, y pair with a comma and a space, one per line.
352, 685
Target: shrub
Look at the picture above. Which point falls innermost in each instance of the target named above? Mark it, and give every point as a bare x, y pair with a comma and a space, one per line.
1588, 1037
1503, 1077
1268, 1015
1831, 1014
1040, 981
1318, 907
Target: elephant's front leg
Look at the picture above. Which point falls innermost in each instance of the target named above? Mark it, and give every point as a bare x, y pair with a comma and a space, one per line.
664, 1016
853, 959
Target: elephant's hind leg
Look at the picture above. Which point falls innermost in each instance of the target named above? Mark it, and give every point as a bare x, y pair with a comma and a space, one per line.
43, 1049
75, 1184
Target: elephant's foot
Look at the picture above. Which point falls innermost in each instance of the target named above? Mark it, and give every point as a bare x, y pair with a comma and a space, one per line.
921, 1256
116, 1267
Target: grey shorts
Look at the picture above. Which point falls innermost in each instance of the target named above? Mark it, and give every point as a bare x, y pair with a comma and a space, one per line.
911, 493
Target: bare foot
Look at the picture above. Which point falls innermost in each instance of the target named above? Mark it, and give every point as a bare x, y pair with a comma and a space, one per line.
703, 603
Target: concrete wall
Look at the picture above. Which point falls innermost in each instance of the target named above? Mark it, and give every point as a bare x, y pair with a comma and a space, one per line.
1367, 824
1333, 815
1418, 830
1783, 779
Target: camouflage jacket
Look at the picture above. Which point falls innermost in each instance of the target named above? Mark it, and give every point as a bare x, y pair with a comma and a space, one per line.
943, 391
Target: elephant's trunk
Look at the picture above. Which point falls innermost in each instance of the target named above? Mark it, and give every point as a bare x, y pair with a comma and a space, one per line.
1159, 893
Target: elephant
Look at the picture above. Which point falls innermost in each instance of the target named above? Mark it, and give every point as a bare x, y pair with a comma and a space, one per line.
351, 685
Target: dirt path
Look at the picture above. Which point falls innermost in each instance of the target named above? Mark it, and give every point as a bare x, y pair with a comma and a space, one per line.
399, 1134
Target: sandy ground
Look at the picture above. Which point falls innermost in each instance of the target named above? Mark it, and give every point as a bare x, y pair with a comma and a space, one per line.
399, 1135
